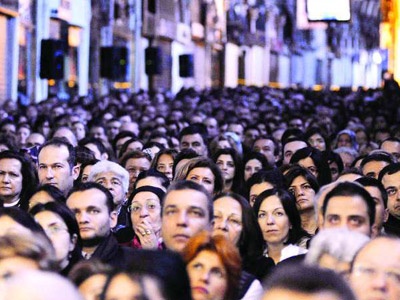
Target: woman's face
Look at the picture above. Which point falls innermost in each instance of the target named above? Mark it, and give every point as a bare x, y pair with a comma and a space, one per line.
92, 287
334, 170
203, 176
228, 219
40, 197
309, 164
165, 165
227, 166
85, 173
208, 277
344, 140
251, 167
146, 211
273, 221
57, 232
317, 141
303, 193
122, 287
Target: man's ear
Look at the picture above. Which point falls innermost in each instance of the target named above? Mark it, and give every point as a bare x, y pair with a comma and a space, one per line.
75, 171
385, 215
104, 156
113, 219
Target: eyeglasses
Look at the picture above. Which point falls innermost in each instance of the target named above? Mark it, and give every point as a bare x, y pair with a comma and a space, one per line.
55, 230
137, 208
369, 273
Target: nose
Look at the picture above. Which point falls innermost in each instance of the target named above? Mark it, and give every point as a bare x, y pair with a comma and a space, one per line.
144, 212
182, 219
81, 218
5, 178
205, 276
379, 282
221, 224
270, 220
49, 173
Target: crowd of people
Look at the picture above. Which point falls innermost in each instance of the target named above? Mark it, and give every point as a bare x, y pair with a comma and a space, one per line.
245, 193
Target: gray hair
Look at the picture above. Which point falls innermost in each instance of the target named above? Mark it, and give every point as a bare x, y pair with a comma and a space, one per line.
109, 166
347, 150
341, 243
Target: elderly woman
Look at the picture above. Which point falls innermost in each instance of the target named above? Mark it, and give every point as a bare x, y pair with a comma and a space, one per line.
144, 206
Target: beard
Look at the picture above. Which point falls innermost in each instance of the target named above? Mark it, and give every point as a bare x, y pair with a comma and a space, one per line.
93, 241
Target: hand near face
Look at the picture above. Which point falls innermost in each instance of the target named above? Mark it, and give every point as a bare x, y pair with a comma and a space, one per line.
146, 235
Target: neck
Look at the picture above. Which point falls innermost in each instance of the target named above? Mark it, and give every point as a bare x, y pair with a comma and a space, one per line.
89, 250
308, 221
228, 185
10, 199
64, 263
274, 251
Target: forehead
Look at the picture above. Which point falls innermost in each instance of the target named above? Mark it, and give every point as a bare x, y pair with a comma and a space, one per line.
372, 253
206, 172
225, 157
271, 202
264, 142
227, 204
185, 199
53, 153
391, 179
295, 145
137, 161
390, 145
192, 138
48, 217
107, 175
142, 196
84, 199
10, 163
346, 205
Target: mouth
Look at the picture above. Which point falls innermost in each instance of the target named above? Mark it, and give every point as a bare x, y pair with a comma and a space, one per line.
181, 238
85, 229
272, 231
200, 290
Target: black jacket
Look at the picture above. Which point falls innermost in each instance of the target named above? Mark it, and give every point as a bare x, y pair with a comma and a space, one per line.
111, 253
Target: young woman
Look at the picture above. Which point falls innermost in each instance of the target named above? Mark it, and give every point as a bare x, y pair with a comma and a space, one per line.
214, 258
313, 160
230, 165
303, 186
280, 224
317, 139
164, 162
203, 171
254, 162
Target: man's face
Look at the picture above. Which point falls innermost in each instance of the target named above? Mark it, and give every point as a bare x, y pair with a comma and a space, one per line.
35, 139
185, 213
290, 149
350, 212
212, 127
10, 179
134, 166
113, 129
92, 214
113, 183
54, 168
250, 136
267, 148
236, 128
393, 148
372, 168
380, 211
392, 184
376, 270
99, 133
195, 142
296, 123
